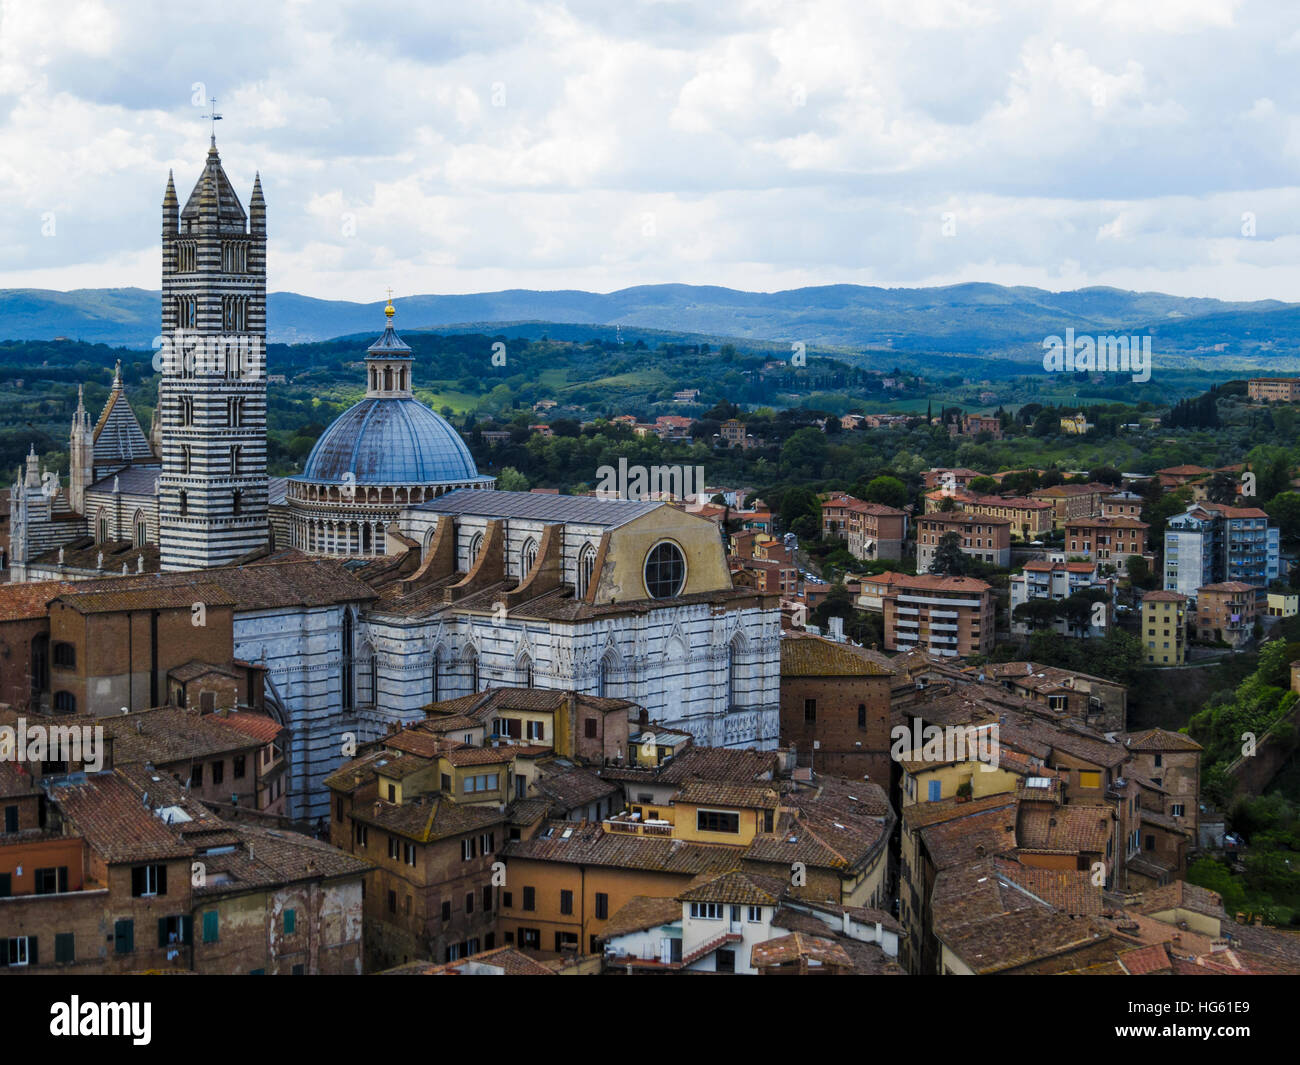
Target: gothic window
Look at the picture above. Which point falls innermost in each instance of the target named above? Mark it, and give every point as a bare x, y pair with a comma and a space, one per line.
526, 671
236, 501
733, 681
428, 543
236, 454
185, 459
435, 677
665, 570
471, 665
475, 546
527, 557
374, 679
586, 567
102, 528
345, 655
187, 411
365, 539
141, 530
185, 503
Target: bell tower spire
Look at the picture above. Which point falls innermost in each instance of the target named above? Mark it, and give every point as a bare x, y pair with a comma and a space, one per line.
212, 398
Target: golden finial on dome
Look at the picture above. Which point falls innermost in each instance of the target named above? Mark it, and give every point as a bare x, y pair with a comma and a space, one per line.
388, 311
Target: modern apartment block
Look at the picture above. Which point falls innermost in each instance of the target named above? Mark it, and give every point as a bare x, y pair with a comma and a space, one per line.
945, 616
1056, 581
1210, 543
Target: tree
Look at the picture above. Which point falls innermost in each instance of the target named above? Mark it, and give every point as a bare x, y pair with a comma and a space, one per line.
1139, 572
1106, 475
1222, 488
982, 485
1284, 510
948, 559
804, 455
889, 491
511, 480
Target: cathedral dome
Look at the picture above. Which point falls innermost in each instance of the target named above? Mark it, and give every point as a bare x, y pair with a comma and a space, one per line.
391, 439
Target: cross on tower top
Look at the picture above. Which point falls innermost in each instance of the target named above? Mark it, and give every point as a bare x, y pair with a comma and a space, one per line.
215, 118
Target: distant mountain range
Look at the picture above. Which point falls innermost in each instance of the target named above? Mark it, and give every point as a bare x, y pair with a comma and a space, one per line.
976, 319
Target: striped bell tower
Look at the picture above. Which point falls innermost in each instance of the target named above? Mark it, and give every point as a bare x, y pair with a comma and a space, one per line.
212, 489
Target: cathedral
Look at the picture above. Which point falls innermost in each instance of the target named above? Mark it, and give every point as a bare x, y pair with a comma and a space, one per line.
443, 585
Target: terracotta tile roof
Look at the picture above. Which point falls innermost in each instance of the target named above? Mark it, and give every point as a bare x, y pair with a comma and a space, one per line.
267, 857
163, 598
260, 727
962, 840
837, 824
993, 924
284, 579
195, 668
587, 843
1069, 890
1159, 739
1065, 829
1145, 961
428, 818
931, 582
113, 820
22, 601
170, 734
466, 756
719, 765
738, 888
923, 814
813, 656
568, 786
741, 796
640, 913
1181, 895
797, 946
1164, 597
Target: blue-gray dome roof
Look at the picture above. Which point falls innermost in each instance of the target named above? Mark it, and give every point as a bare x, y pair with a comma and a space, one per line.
390, 440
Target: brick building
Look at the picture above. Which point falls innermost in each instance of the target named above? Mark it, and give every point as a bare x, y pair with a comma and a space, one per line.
835, 707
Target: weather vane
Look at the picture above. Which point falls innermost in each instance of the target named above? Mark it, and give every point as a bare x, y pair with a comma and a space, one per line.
215, 117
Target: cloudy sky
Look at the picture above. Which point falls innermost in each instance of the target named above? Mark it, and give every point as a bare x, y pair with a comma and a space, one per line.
463, 147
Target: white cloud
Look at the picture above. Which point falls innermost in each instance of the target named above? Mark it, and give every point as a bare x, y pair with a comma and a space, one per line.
749, 143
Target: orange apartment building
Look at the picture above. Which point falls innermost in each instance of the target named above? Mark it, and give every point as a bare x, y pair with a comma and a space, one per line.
982, 537
1110, 540
1225, 611
945, 616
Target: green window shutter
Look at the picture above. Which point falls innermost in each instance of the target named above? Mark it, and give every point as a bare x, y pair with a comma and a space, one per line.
65, 947
210, 926
124, 935
187, 929
290, 922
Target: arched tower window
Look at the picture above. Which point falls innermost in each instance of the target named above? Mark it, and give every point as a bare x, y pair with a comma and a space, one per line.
141, 529
475, 546
586, 568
